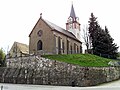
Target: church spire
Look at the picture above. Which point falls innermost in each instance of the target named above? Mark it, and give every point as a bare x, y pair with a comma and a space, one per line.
72, 13
73, 24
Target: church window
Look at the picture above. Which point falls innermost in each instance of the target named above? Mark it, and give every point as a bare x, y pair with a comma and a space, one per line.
80, 49
63, 47
39, 45
77, 49
39, 33
67, 47
71, 48
74, 48
59, 45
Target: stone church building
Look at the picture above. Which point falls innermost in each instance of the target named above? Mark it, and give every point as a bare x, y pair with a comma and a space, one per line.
48, 38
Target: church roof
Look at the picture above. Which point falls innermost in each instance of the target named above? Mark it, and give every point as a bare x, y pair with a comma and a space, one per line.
21, 47
56, 28
61, 30
72, 13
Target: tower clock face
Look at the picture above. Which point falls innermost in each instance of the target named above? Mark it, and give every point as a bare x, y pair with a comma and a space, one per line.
70, 20
70, 25
77, 19
39, 33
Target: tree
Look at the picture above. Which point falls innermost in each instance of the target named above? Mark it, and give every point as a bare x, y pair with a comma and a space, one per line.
112, 49
102, 42
2, 57
86, 36
94, 31
93, 25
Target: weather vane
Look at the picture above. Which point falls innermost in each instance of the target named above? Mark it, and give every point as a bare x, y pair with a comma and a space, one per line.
41, 15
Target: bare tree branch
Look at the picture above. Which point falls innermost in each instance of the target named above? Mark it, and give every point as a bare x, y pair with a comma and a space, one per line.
86, 36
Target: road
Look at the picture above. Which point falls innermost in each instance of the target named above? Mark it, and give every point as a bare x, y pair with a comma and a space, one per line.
109, 86
113, 84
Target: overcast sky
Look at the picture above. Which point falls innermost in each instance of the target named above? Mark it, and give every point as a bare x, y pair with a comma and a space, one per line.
18, 17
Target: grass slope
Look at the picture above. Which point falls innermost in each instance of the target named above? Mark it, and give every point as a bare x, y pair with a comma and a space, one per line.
81, 59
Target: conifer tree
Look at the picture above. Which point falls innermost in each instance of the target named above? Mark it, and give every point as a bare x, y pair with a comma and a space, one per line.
102, 42
94, 30
112, 49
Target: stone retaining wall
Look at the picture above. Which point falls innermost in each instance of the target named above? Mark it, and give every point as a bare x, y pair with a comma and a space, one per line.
37, 70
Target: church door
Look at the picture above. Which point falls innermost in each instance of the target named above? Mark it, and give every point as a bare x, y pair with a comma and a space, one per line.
39, 45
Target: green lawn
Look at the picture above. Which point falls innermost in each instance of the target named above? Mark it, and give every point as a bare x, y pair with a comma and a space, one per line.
81, 59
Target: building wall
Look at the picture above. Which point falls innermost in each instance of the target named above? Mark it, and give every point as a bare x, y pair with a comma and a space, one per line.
47, 38
52, 41
14, 52
72, 43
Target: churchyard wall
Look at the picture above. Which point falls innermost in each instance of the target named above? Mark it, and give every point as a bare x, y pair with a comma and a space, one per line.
41, 71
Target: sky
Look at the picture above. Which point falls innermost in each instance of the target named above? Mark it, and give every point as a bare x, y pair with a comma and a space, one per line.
18, 17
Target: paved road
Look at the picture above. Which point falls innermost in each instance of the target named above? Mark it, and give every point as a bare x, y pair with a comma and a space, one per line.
113, 83
109, 86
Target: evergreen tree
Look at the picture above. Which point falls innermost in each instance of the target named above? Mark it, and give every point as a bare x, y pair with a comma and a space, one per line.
93, 24
112, 49
94, 30
102, 42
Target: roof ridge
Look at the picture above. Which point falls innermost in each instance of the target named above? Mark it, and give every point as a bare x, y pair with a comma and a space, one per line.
21, 43
60, 29
56, 28
53, 24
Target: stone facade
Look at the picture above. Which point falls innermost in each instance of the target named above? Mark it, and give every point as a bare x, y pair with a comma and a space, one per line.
48, 38
38, 70
54, 40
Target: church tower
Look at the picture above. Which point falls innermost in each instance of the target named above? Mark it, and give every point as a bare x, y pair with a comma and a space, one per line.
73, 24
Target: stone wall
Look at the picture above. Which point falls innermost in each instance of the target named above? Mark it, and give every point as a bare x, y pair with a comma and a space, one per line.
41, 71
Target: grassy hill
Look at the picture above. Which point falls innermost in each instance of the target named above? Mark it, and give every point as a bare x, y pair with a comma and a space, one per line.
81, 59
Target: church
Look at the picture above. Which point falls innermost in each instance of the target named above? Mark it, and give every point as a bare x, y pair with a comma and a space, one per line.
48, 38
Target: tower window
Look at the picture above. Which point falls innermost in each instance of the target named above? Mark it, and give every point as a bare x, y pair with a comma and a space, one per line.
39, 45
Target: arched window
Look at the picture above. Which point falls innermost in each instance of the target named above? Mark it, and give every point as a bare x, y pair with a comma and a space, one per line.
71, 49
59, 45
39, 45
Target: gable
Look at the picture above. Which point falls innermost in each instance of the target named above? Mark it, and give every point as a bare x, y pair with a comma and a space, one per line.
19, 47
38, 25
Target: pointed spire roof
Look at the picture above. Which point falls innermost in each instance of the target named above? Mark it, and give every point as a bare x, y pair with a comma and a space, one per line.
72, 13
